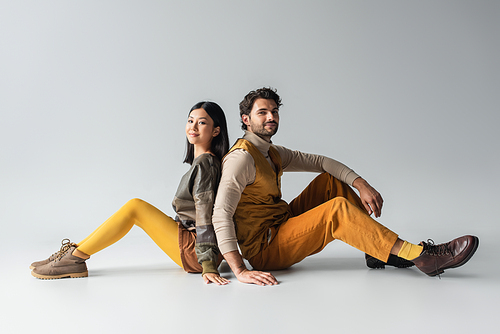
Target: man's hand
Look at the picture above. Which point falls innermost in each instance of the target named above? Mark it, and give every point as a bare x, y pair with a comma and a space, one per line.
256, 277
244, 275
370, 198
215, 278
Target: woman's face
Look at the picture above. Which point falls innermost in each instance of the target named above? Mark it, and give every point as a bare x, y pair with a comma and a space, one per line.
200, 128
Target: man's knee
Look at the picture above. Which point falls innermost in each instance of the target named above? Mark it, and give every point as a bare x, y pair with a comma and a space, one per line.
340, 202
325, 177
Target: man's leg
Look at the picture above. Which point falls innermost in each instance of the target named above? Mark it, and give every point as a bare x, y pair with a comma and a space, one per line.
324, 188
309, 232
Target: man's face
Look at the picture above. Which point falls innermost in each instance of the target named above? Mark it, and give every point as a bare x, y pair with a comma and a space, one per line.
263, 119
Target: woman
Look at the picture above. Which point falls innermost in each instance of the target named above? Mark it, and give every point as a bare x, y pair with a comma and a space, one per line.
189, 240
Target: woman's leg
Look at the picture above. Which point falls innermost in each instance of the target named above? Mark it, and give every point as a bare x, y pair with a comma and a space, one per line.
160, 227
70, 260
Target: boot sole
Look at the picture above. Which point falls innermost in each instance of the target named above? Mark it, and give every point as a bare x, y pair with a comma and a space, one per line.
375, 263
70, 275
464, 261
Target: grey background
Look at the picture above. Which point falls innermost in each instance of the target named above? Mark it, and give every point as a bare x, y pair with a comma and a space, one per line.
94, 97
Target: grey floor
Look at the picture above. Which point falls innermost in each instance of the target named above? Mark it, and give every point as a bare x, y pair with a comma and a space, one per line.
134, 288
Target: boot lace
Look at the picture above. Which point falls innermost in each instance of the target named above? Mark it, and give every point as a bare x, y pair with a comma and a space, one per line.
66, 244
437, 250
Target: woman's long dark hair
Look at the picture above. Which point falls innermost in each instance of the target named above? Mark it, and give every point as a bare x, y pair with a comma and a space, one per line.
220, 143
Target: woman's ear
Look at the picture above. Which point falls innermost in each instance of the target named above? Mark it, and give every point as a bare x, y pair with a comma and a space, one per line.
216, 131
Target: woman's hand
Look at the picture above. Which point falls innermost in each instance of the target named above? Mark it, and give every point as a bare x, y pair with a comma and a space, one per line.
215, 278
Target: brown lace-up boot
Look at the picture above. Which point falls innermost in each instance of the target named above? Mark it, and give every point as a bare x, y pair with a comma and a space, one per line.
65, 244
65, 265
436, 258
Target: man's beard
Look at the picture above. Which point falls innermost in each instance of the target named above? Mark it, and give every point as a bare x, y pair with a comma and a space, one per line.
262, 132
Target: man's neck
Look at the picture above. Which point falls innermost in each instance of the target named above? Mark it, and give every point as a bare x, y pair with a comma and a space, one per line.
266, 138
258, 142
261, 145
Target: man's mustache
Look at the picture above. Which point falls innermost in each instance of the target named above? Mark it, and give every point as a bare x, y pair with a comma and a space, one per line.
271, 122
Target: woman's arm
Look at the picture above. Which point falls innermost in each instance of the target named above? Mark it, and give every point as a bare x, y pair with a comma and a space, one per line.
204, 188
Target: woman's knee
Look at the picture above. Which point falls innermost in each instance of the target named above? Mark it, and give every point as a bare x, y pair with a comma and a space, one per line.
133, 205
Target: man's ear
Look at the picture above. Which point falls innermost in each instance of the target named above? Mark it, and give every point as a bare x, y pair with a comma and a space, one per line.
216, 132
245, 119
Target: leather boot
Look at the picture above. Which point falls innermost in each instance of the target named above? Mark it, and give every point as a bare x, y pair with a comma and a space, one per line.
434, 259
66, 243
65, 265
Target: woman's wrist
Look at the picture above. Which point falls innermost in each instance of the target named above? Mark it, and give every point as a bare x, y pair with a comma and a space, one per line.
209, 267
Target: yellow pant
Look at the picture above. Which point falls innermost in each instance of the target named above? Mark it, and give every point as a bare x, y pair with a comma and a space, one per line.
326, 210
160, 227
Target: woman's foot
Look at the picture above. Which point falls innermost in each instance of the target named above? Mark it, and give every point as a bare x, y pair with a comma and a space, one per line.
65, 265
65, 244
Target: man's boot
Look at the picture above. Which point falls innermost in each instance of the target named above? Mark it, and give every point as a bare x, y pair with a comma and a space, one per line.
436, 258
393, 260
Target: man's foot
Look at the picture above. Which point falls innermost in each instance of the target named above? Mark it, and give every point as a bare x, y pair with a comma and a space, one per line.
66, 243
393, 260
436, 258
65, 265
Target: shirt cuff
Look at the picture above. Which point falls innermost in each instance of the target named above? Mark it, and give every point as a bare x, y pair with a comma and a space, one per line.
209, 267
351, 177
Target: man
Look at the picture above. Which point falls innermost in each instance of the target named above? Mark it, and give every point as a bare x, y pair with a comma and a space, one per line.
273, 234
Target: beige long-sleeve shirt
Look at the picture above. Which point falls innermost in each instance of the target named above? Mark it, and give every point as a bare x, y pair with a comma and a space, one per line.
238, 171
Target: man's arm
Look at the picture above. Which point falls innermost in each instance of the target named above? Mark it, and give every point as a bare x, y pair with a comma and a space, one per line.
244, 275
299, 161
238, 170
296, 161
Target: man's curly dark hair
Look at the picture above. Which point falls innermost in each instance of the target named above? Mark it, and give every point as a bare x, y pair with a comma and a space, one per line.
261, 93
